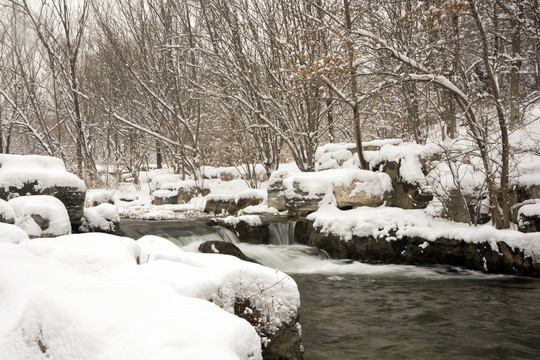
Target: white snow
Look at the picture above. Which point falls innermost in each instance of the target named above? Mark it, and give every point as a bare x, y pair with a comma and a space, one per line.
47, 171
100, 296
222, 278
12, 234
251, 220
50, 309
47, 207
530, 210
318, 183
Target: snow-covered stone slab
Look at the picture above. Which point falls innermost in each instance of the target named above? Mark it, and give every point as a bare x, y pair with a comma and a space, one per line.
41, 215
22, 175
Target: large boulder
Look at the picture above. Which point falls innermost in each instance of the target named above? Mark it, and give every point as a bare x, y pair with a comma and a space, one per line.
392, 235
303, 193
22, 175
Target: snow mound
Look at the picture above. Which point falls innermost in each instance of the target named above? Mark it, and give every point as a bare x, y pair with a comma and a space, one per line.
41, 215
318, 183
89, 253
50, 309
223, 279
46, 171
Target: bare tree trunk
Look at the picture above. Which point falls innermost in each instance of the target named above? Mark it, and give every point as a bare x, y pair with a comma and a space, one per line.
505, 147
354, 90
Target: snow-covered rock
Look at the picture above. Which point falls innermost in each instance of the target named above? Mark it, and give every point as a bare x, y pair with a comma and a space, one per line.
22, 175
303, 193
41, 215
267, 298
529, 217
101, 218
394, 235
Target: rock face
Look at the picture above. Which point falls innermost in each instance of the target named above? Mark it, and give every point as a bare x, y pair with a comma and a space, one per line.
224, 248
406, 195
418, 251
232, 204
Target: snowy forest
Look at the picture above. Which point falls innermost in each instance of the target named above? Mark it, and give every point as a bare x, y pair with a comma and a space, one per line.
123, 84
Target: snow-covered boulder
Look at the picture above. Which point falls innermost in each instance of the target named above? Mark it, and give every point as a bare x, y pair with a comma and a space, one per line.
95, 197
303, 193
529, 217
394, 235
22, 175
405, 164
7, 215
265, 297
41, 215
101, 218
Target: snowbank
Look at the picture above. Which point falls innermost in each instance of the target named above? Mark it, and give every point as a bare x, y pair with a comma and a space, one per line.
52, 310
100, 296
224, 279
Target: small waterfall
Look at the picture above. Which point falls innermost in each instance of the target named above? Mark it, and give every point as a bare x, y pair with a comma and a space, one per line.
282, 233
227, 235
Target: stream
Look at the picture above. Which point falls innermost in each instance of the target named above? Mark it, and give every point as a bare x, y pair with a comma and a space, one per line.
351, 310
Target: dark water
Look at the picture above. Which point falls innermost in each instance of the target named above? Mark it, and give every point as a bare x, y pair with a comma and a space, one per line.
355, 311
414, 317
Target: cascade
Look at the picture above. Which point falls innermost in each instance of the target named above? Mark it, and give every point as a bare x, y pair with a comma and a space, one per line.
282, 233
227, 235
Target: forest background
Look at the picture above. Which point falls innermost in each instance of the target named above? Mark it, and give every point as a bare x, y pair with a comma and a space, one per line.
123, 84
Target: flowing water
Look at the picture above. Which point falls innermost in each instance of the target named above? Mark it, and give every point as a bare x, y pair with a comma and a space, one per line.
352, 310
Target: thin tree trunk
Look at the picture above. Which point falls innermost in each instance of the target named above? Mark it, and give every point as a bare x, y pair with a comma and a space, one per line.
354, 90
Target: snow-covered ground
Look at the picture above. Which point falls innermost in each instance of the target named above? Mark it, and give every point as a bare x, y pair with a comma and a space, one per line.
99, 296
